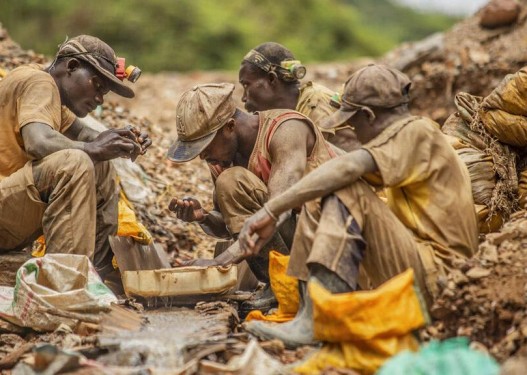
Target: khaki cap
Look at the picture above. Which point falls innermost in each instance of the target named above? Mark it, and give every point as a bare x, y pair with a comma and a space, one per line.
200, 112
372, 86
100, 56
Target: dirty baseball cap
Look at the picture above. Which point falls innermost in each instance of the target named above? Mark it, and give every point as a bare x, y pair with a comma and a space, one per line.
200, 113
374, 85
100, 56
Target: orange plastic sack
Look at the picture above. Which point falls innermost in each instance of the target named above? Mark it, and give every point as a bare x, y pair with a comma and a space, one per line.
365, 328
285, 289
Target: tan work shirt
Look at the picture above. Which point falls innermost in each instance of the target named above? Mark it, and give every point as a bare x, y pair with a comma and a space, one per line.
27, 94
313, 102
428, 186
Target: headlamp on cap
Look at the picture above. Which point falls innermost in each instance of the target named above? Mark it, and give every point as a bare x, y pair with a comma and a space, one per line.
131, 73
288, 70
295, 67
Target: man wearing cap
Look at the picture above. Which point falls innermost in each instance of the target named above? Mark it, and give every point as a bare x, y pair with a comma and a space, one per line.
270, 76
55, 175
260, 158
429, 220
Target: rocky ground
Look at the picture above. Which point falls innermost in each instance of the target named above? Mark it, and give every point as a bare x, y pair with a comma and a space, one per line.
484, 298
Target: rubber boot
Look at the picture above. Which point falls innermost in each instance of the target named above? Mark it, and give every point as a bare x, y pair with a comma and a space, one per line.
300, 330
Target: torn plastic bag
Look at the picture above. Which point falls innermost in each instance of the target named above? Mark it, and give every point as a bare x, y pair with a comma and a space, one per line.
66, 282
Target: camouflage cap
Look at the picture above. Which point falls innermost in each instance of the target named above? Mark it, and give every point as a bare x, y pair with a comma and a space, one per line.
372, 86
200, 113
100, 56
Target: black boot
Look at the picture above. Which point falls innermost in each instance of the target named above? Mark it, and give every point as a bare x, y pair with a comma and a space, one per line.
259, 265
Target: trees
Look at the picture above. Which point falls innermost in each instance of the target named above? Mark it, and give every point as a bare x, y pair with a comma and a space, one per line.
206, 34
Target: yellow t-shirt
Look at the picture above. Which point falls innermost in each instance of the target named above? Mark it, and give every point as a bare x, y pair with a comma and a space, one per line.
428, 186
27, 94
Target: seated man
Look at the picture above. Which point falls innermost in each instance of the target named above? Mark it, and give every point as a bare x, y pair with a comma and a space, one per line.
259, 156
429, 220
270, 76
55, 178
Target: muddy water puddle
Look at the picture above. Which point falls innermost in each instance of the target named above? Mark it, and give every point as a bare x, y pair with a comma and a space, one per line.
162, 342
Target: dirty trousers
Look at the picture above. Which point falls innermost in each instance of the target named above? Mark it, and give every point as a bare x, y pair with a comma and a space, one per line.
65, 197
239, 194
391, 248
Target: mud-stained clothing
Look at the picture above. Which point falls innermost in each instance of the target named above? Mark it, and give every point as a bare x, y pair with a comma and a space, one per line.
314, 102
428, 221
63, 195
236, 209
27, 94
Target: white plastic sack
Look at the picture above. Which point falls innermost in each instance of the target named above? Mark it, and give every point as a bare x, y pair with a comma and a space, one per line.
66, 282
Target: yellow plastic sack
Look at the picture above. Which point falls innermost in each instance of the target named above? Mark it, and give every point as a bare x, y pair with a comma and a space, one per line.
481, 171
285, 289
365, 328
510, 94
502, 111
522, 188
506, 127
128, 224
485, 224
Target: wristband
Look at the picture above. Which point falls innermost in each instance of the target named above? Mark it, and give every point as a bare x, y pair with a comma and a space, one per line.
270, 213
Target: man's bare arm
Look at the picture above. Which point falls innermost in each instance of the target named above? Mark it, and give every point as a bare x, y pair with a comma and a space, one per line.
40, 140
289, 149
329, 177
78, 131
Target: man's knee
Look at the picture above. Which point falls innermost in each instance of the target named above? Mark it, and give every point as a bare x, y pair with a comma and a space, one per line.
234, 180
76, 162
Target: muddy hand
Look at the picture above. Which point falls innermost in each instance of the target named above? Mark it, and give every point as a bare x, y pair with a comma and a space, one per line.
256, 231
187, 209
111, 144
141, 137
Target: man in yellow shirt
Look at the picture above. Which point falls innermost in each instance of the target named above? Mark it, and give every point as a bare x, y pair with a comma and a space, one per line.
55, 175
428, 222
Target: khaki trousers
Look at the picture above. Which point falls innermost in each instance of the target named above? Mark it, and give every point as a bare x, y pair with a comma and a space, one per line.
390, 247
65, 197
239, 194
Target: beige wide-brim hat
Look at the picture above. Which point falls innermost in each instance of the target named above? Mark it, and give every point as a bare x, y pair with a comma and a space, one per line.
200, 113
100, 56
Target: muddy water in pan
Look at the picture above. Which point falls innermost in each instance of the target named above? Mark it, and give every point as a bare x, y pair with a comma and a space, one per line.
162, 341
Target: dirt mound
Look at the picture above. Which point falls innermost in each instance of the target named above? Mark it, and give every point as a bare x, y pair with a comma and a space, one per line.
11, 55
466, 58
485, 297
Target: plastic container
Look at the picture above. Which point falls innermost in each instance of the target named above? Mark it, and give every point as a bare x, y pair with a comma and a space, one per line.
181, 281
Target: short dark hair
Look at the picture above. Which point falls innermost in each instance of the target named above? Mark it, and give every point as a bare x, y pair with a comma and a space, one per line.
275, 53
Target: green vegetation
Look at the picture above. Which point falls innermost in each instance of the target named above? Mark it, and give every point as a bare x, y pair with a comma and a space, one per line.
210, 34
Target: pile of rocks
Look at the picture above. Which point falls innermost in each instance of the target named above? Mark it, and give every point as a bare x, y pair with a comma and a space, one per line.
485, 298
